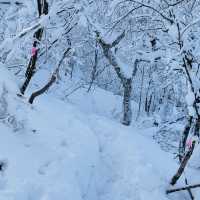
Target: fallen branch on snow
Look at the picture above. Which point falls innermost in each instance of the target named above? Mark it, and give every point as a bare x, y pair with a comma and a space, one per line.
182, 188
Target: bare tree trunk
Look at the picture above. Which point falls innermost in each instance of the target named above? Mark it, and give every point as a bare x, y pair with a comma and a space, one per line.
140, 101
127, 112
94, 70
29, 73
148, 104
183, 164
182, 144
126, 81
148, 98
42, 9
185, 156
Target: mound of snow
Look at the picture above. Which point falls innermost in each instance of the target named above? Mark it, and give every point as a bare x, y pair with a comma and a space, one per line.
76, 150
53, 158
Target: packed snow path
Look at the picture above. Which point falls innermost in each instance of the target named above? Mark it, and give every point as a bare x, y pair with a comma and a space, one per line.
132, 166
64, 153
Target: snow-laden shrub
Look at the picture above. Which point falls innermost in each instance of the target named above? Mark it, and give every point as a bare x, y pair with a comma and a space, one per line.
8, 105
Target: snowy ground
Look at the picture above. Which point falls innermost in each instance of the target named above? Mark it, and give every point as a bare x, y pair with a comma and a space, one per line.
74, 149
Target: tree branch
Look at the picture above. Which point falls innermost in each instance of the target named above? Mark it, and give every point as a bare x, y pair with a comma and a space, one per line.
118, 40
9, 3
155, 10
182, 188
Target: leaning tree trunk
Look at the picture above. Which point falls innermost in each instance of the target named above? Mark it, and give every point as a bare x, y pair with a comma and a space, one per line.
187, 65
52, 79
182, 144
44, 89
42, 9
126, 81
184, 162
187, 155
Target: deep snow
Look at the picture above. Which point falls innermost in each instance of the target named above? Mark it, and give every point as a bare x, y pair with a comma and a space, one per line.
75, 149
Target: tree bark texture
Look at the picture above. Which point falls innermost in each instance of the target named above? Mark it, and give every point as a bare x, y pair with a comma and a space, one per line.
126, 82
42, 9
183, 164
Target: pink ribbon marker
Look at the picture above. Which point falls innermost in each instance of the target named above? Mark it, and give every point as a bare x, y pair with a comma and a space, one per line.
33, 51
189, 143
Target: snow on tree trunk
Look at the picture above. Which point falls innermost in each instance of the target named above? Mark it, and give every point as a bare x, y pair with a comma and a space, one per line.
124, 78
42, 9
127, 111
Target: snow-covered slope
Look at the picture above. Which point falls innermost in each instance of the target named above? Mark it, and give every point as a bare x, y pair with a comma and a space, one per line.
68, 150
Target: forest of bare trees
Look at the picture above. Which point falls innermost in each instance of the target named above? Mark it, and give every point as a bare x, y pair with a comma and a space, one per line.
144, 51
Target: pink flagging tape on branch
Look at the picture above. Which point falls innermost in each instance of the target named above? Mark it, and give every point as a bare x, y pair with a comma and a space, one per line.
33, 51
